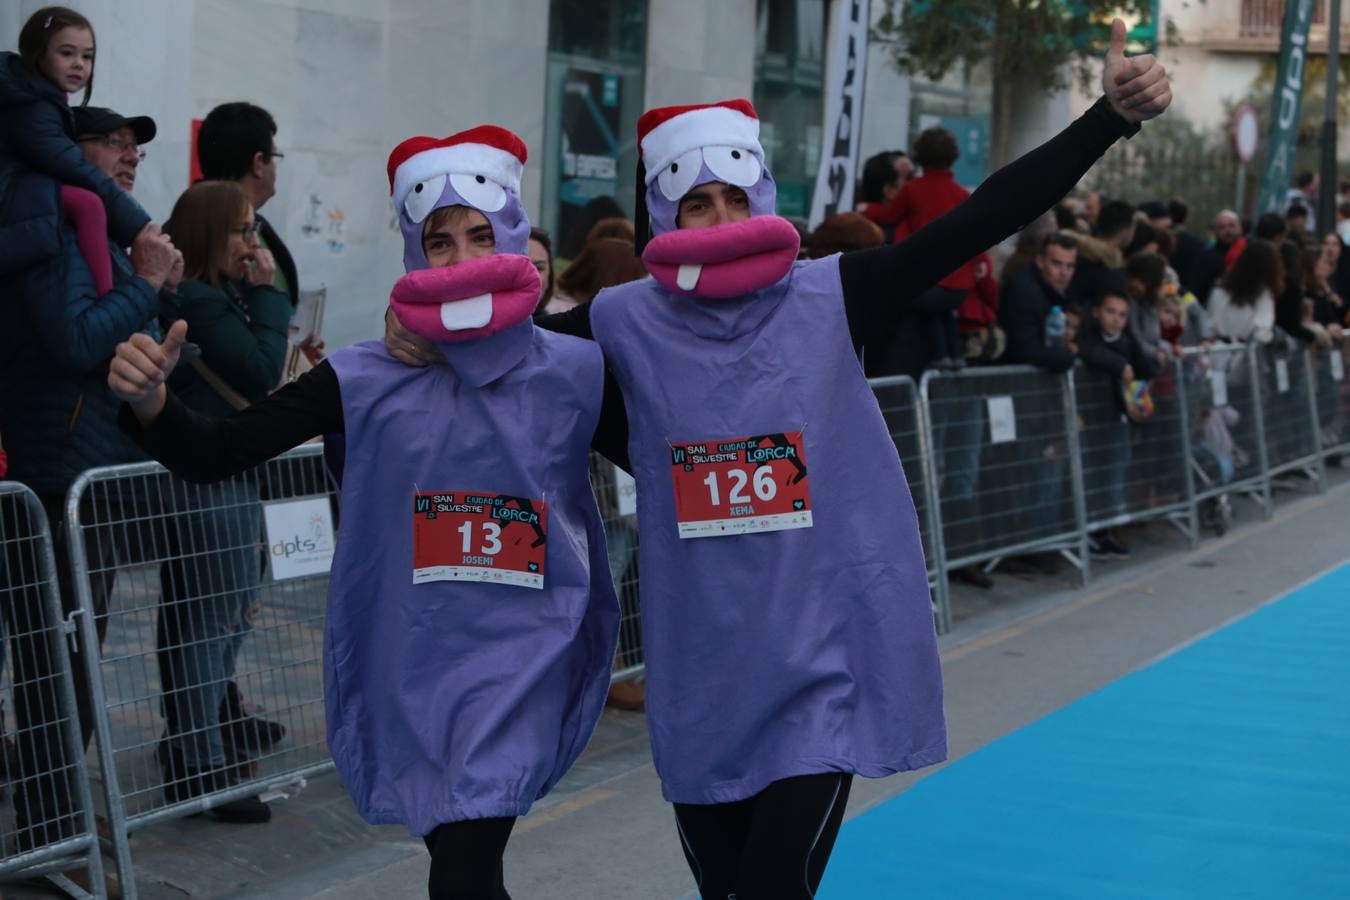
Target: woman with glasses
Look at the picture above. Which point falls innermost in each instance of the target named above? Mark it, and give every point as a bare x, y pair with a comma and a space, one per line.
238, 322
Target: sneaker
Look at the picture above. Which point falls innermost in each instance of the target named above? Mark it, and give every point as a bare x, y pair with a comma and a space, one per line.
182, 782
973, 575
245, 735
1100, 546
1112, 548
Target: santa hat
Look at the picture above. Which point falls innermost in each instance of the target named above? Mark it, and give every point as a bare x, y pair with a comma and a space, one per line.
668, 132
487, 150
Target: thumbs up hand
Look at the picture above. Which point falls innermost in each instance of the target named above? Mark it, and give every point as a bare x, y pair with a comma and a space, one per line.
1137, 88
138, 371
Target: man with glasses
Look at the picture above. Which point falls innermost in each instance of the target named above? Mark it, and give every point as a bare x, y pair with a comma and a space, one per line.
59, 419
237, 142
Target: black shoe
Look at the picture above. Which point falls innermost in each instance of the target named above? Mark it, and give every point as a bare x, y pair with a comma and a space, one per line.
245, 735
1106, 547
182, 782
973, 575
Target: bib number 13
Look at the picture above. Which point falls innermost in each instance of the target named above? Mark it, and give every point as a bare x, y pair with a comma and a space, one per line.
764, 486
491, 543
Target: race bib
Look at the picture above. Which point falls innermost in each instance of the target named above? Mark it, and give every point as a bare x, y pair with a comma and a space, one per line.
468, 536
741, 485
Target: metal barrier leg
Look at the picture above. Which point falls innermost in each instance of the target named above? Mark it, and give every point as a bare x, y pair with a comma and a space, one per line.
1262, 448
1192, 529
1076, 475
1319, 470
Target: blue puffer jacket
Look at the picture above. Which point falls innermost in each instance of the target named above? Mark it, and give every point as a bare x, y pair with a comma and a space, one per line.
56, 337
37, 145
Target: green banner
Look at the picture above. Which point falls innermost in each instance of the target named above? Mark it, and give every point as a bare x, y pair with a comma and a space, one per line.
1284, 115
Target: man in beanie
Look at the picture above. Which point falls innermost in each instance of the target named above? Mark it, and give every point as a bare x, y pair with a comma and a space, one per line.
468, 649
787, 622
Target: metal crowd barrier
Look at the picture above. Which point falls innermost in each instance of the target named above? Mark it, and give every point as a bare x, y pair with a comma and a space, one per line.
1006, 465
1135, 470
1221, 389
51, 826
616, 496
898, 397
216, 586
1289, 411
1332, 392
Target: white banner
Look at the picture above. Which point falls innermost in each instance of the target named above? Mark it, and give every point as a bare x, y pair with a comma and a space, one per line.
301, 539
843, 111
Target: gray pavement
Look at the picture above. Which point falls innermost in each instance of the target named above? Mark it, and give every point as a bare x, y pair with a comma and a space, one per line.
1017, 652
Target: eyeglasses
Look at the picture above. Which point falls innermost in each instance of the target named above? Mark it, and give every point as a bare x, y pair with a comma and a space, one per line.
247, 231
113, 142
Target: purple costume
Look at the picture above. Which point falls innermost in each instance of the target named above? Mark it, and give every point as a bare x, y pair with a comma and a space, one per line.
451, 700
782, 653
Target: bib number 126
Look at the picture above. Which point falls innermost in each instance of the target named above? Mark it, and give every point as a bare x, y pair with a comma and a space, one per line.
735, 486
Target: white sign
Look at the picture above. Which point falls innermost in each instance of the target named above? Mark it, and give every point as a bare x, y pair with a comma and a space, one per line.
1282, 376
1218, 382
843, 111
307, 320
625, 490
300, 537
1002, 420
1337, 365
1246, 132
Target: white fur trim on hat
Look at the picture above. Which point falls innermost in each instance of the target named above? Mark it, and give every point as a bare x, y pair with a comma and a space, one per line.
714, 126
501, 166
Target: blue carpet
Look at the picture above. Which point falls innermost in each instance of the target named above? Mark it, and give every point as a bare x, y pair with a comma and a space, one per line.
1221, 771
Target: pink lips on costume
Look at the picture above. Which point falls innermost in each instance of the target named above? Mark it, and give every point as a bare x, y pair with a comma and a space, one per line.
472, 299
723, 260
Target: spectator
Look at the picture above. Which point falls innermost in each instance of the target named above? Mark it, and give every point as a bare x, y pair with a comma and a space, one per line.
1157, 215
1066, 215
1026, 301
1145, 240
1146, 273
38, 143
1343, 221
1334, 247
1298, 222
1210, 265
919, 202
1182, 321
574, 239
843, 232
1304, 194
602, 263
1110, 353
1101, 263
978, 315
1322, 309
1271, 227
59, 418
1027, 246
1188, 246
1092, 208
615, 227
883, 175
238, 319
1242, 305
541, 254
237, 142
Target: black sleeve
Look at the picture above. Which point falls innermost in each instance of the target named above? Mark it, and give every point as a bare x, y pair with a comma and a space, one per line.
201, 449
1093, 352
611, 432
1021, 319
880, 283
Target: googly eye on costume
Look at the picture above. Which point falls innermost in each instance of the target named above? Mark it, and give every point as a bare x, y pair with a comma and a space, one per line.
422, 198
479, 191
733, 165
679, 176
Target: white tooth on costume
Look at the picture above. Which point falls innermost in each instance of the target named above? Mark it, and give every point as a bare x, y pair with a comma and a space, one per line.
687, 277
472, 312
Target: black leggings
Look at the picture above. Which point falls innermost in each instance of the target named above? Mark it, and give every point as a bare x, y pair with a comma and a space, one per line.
772, 845
466, 859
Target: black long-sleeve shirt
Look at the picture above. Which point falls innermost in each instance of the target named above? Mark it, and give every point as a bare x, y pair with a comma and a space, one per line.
880, 286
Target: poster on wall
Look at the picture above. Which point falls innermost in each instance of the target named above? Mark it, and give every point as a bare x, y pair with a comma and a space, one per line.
590, 143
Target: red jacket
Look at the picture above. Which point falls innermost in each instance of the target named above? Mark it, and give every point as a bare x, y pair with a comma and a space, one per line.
919, 202
980, 308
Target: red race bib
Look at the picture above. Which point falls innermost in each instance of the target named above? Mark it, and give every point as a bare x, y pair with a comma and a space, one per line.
741, 485
479, 536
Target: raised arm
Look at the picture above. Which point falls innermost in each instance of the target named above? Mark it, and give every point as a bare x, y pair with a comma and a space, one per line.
201, 449
880, 283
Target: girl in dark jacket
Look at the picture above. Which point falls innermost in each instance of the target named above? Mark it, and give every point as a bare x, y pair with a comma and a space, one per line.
38, 143
238, 321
